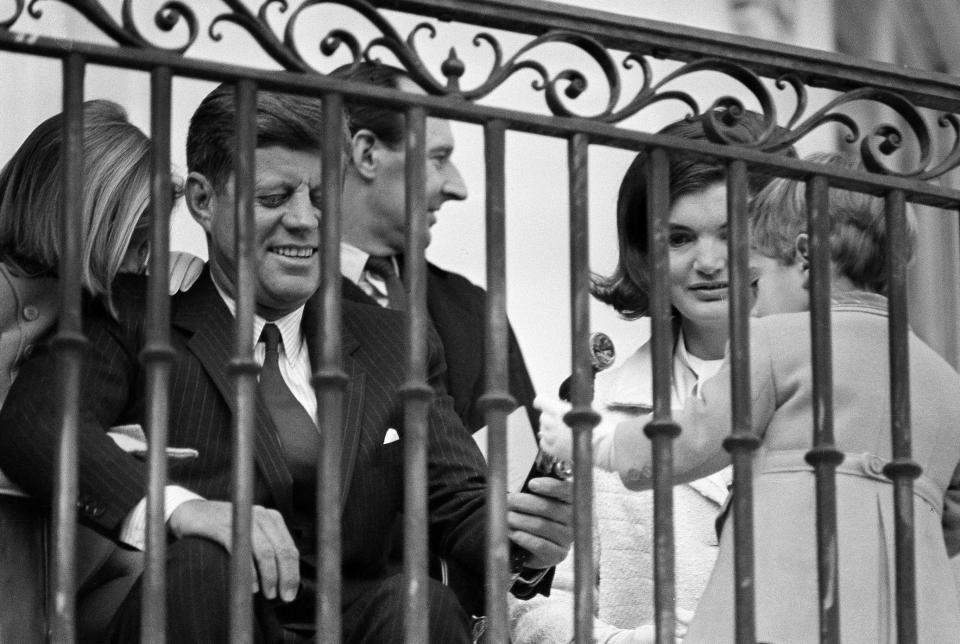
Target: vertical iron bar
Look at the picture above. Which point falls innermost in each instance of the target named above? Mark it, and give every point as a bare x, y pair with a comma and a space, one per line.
68, 344
581, 418
824, 456
243, 368
497, 401
742, 440
902, 469
157, 358
330, 380
661, 430
416, 393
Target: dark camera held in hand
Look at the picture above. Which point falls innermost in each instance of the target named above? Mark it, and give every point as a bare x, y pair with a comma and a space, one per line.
602, 355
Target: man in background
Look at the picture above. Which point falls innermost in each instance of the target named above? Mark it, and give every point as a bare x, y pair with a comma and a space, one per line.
373, 239
374, 230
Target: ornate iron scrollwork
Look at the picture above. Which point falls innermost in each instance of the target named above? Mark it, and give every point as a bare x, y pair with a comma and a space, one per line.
125, 33
560, 89
17, 12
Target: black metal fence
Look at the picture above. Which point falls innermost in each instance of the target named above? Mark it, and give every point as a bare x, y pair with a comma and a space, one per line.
607, 40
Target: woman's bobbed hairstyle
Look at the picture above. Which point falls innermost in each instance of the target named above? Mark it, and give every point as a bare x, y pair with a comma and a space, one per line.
114, 195
627, 288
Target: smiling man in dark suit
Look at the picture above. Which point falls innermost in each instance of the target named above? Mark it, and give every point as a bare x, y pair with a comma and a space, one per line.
286, 275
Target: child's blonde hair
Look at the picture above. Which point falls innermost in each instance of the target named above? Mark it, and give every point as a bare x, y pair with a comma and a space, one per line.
858, 238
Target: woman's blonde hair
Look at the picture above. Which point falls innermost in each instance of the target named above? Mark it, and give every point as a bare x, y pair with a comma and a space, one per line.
115, 194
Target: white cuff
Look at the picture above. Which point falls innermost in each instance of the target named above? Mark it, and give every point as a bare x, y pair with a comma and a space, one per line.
133, 530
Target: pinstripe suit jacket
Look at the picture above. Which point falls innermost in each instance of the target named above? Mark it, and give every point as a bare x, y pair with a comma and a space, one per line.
113, 386
457, 308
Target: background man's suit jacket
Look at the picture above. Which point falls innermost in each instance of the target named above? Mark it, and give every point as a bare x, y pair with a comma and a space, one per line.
457, 308
111, 481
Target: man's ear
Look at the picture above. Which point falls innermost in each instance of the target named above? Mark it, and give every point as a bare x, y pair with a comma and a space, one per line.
199, 195
802, 257
363, 157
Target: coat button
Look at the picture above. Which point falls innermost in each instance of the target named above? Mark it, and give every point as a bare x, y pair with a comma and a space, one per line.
875, 465
30, 313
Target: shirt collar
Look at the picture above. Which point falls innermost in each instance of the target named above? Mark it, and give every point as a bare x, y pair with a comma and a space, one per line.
859, 299
700, 369
683, 356
289, 325
352, 262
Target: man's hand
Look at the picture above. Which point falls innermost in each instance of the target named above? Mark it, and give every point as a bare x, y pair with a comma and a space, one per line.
275, 557
184, 271
541, 520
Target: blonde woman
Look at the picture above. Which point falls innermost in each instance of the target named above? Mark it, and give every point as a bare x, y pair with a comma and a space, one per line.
114, 230
114, 199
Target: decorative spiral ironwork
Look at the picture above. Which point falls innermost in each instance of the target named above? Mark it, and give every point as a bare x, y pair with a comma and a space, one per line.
6, 23
126, 33
884, 139
562, 89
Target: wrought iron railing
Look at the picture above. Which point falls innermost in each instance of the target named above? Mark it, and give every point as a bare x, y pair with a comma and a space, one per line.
623, 49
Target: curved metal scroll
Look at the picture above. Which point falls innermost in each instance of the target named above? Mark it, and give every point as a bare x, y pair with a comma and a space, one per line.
561, 89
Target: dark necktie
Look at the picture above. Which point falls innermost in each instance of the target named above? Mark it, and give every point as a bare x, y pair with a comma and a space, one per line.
383, 268
298, 434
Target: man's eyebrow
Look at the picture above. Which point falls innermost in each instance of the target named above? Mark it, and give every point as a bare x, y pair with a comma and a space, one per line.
270, 182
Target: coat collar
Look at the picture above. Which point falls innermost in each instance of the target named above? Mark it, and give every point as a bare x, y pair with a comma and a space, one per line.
863, 301
350, 402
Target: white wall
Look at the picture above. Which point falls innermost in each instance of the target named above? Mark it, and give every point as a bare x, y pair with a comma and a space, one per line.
537, 209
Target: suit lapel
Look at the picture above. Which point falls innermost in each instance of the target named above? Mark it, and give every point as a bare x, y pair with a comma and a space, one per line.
353, 393
354, 293
353, 416
210, 328
459, 326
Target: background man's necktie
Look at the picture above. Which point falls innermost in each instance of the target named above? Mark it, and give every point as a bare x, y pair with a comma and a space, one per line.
297, 431
383, 268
